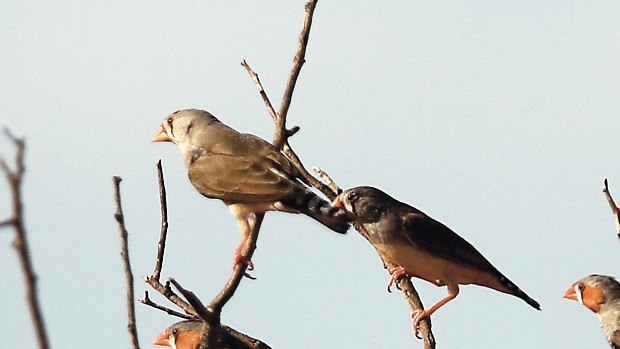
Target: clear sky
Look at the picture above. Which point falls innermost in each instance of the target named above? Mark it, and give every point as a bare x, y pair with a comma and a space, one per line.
500, 119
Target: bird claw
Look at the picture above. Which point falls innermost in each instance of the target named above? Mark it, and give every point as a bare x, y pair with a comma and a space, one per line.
417, 316
396, 273
241, 259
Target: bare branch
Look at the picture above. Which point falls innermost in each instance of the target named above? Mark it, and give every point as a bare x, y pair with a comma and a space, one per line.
20, 242
261, 90
224, 296
7, 222
120, 221
154, 279
161, 246
329, 188
167, 292
280, 136
613, 206
215, 334
328, 180
150, 303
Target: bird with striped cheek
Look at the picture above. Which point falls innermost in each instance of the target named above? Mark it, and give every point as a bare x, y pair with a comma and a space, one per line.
181, 335
600, 294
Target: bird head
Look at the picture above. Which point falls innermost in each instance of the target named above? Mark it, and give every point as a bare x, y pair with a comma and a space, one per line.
184, 127
181, 335
594, 291
364, 204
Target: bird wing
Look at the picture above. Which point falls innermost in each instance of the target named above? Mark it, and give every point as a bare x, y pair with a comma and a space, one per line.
439, 240
239, 178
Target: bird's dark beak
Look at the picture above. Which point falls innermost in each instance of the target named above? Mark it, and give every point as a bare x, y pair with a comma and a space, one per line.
163, 339
337, 203
570, 294
161, 135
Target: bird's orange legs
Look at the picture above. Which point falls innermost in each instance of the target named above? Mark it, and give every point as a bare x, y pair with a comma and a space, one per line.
399, 272
239, 258
418, 315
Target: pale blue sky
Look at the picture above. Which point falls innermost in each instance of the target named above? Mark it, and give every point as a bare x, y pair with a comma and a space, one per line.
500, 119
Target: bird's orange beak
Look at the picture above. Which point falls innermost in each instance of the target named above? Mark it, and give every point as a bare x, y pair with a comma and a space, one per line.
161, 135
571, 294
336, 202
163, 339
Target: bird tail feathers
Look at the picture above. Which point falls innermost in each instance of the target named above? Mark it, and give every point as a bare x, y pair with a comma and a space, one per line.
516, 291
312, 205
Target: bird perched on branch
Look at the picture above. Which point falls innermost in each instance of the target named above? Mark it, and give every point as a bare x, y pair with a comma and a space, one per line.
601, 294
422, 247
244, 171
181, 335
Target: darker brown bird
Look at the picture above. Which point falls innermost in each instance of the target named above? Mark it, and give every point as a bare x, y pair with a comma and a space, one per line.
422, 247
244, 171
601, 294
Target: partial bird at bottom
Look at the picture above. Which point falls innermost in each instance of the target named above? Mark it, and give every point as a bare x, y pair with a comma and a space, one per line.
601, 294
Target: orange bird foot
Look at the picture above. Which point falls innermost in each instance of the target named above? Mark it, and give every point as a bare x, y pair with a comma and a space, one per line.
241, 259
418, 315
396, 274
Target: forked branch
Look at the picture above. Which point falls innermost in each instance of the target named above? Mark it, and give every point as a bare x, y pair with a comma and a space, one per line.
20, 242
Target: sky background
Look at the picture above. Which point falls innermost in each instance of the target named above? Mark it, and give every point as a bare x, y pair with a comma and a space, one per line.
500, 119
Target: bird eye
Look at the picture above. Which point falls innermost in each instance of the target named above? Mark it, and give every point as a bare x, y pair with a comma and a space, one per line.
169, 121
581, 287
175, 331
351, 197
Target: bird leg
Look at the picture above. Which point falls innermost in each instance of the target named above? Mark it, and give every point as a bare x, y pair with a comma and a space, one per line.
396, 274
247, 222
239, 258
419, 314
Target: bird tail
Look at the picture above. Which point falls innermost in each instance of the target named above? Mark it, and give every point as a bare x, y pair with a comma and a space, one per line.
514, 290
322, 211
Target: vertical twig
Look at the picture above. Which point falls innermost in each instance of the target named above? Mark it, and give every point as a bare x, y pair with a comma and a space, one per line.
20, 243
281, 135
163, 204
613, 206
120, 221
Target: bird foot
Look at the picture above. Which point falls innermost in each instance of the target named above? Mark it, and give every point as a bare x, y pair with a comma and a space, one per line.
418, 315
396, 274
241, 259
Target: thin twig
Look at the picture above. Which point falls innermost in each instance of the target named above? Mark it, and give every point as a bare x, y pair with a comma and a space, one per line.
163, 204
150, 303
261, 90
120, 221
335, 189
280, 135
154, 279
167, 292
613, 206
20, 243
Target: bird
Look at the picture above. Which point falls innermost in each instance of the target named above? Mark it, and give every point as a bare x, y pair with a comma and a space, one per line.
422, 247
244, 171
181, 335
601, 294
